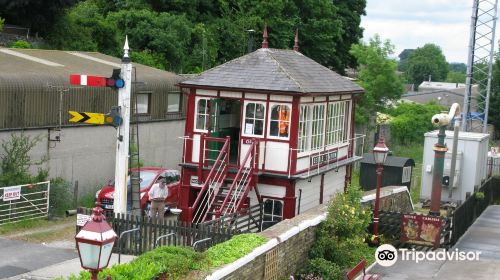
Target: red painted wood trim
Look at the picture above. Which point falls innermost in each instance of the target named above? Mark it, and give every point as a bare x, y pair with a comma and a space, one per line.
189, 125
294, 134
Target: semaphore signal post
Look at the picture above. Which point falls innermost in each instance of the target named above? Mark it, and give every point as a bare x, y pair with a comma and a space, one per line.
119, 117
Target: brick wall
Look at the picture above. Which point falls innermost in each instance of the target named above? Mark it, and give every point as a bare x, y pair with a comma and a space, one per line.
291, 241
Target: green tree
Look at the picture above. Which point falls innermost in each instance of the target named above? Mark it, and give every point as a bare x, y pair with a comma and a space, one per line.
2, 21
455, 77
377, 75
494, 108
37, 15
424, 62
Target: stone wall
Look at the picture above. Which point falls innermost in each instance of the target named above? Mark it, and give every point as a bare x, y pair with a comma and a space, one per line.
284, 254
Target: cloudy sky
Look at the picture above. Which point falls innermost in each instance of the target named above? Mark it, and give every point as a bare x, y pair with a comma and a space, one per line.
410, 24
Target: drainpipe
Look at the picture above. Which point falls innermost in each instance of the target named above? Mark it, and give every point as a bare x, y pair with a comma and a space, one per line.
440, 149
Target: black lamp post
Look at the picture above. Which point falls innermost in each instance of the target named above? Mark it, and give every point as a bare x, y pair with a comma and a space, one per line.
95, 243
380, 152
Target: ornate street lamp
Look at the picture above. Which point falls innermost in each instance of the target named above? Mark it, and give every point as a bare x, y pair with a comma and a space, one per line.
95, 243
380, 152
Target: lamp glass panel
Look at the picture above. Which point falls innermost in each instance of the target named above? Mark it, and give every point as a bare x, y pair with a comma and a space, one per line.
105, 252
379, 157
89, 254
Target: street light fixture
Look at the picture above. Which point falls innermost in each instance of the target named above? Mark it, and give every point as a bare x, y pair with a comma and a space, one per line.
380, 152
95, 243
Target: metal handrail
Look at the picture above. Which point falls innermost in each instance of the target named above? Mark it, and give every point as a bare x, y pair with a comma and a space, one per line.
120, 241
200, 241
237, 180
211, 176
162, 237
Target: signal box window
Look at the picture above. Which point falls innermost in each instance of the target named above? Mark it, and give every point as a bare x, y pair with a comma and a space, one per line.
280, 121
202, 114
254, 119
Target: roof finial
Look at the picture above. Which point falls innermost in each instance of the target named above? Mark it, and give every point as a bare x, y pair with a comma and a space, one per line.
264, 42
125, 47
296, 45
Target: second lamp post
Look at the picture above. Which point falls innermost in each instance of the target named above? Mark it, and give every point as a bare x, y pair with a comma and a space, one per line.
380, 152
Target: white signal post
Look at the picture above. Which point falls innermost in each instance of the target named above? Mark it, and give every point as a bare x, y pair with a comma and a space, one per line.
122, 143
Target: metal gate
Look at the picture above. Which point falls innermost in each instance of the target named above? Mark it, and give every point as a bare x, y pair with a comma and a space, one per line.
24, 202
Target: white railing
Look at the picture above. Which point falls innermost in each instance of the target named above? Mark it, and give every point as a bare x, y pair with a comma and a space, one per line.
24, 202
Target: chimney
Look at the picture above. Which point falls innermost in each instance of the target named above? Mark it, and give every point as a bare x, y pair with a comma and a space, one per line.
296, 45
264, 35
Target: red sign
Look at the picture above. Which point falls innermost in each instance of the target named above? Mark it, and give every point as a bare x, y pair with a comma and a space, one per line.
421, 229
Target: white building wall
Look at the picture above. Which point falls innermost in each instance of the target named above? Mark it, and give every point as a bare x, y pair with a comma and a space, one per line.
87, 154
333, 183
474, 149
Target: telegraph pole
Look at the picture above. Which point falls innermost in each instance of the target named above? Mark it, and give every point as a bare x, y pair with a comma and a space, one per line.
122, 142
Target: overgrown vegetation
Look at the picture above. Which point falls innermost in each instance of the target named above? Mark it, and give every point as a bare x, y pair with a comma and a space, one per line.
233, 249
177, 262
15, 161
340, 243
410, 121
21, 44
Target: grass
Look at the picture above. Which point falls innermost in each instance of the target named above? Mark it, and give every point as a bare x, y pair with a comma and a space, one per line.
40, 230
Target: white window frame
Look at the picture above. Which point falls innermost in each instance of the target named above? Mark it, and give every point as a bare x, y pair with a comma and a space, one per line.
406, 177
207, 113
337, 126
318, 120
272, 214
304, 141
244, 117
271, 105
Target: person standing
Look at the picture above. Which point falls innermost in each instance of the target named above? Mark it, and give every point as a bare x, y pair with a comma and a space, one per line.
157, 194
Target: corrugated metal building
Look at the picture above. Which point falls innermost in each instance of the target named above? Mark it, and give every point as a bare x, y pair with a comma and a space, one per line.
34, 88
35, 97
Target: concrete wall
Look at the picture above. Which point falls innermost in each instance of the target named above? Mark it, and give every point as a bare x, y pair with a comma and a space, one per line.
87, 154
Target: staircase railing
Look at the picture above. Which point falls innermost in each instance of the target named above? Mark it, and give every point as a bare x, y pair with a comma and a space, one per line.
245, 179
214, 180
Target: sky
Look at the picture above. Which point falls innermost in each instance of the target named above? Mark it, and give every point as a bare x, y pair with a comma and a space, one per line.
410, 24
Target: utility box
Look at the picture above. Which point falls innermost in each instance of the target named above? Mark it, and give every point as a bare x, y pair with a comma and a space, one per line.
397, 172
471, 165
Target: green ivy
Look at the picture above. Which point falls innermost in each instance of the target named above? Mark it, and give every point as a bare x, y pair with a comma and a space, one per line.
235, 248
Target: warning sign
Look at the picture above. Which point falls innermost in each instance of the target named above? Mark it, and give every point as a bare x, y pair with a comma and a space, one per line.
82, 219
12, 193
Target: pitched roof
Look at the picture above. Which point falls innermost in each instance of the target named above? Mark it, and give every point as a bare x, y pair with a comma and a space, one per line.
275, 70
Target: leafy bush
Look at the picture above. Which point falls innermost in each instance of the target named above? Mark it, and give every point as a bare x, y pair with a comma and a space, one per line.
327, 270
411, 120
235, 248
479, 195
15, 161
60, 195
173, 262
340, 238
21, 44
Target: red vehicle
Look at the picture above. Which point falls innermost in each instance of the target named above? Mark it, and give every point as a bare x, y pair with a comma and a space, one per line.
149, 177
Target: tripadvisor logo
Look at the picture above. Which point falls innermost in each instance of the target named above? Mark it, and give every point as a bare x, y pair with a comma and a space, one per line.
387, 255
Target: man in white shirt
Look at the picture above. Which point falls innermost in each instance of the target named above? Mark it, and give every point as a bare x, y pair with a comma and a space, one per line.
157, 194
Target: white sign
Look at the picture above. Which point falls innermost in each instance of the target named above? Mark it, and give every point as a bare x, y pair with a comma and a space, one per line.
248, 128
81, 219
12, 193
194, 181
